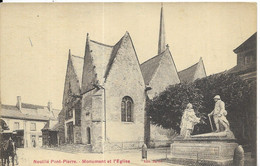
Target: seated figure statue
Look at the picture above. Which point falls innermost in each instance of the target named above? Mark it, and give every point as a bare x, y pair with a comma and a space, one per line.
189, 119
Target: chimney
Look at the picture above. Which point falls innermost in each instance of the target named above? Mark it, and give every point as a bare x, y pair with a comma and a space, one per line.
19, 103
50, 106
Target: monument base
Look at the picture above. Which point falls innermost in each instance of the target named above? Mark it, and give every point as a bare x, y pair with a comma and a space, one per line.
185, 161
219, 151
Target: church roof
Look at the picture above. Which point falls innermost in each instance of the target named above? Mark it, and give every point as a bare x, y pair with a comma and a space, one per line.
187, 75
103, 56
112, 57
150, 66
77, 63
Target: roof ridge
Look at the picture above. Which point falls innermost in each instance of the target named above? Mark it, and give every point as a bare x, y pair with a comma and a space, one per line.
245, 41
34, 104
7, 105
189, 67
101, 43
114, 51
77, 56
154, 57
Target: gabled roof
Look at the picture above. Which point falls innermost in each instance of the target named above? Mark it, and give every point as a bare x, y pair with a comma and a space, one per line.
187, 75
9, 111
150, 66
192, 73
77, 63
29, 111
243, 68
32, 106
101, 54
250, 43
112, 57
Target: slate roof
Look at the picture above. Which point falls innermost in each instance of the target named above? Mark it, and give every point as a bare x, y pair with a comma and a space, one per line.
29, 111
54, 126
243, 69
10, 111
77, 63
250, 43
112, 57
187, 75
101, 54
150, 66
103, 57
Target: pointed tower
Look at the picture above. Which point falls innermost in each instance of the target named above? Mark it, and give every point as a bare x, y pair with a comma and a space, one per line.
161, 43
89, 73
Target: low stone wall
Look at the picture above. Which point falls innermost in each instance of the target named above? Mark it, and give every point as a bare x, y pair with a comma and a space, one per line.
116, 146
160, 143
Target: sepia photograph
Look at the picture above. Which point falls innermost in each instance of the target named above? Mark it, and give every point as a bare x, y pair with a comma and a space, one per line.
162, 83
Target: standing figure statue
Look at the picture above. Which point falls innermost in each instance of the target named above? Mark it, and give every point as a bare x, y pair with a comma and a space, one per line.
189, 119
219, 114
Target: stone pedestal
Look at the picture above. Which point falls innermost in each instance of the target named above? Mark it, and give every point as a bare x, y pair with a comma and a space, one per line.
211, 150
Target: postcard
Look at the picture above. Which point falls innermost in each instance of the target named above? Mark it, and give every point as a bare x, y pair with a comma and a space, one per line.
169, 83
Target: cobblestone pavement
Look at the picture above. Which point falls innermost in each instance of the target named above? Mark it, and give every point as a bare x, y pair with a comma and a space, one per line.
43, 157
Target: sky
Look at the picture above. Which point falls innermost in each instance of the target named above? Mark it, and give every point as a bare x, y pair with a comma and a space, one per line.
36, 38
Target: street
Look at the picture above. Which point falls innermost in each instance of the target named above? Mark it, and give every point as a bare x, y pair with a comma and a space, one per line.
40, 156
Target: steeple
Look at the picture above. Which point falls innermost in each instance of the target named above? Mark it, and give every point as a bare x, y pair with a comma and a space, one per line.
161, 43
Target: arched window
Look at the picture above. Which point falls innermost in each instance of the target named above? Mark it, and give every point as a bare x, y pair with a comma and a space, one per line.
127, 109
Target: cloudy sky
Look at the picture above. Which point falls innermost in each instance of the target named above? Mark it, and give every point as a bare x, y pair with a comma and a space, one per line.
35, 39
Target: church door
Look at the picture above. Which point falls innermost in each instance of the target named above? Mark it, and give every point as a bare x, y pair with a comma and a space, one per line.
70, 132
88, 135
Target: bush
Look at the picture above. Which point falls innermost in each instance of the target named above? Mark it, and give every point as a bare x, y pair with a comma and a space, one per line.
166, 109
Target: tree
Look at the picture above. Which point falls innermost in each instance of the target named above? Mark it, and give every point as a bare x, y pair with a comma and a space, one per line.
166, 109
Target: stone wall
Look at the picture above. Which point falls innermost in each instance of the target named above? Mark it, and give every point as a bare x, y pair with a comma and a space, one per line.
165, 75
160, 136
125, 79
77, 134
91, 119
117, 146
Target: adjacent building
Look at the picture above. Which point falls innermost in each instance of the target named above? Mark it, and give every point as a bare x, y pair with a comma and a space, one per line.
246, 68
246, 59
27, 120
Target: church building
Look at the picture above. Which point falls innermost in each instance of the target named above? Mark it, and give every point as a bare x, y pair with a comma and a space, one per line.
159, 72
104, 97
105, 94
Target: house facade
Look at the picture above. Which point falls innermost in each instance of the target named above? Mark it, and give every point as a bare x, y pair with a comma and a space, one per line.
27, 121
246, 59
246, 68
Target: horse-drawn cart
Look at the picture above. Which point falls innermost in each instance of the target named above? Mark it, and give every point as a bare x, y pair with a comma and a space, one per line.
8, 147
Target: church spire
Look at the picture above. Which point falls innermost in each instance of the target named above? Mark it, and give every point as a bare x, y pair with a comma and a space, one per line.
161, 43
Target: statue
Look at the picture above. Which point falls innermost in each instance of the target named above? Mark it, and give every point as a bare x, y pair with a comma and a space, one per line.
219, 114
189, 119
